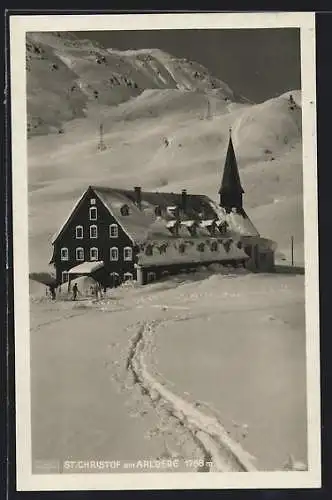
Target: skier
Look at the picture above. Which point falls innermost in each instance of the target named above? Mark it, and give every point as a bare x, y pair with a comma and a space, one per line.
75, 291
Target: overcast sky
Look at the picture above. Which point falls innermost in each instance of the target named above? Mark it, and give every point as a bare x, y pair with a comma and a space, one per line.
257, 63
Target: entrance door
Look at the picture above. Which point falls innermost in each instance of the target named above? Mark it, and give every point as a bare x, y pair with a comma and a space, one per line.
114, 280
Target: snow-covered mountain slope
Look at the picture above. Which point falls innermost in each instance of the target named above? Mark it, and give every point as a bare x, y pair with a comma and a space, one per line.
66, 76
161, 138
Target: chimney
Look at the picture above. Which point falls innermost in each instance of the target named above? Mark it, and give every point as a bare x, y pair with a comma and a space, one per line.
138, 196
184, 200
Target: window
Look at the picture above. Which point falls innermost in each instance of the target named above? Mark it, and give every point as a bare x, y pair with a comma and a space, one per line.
79, 253
127, 253
157, 211
223, 227
128, 277
114, 279
124, 210
182, 248
93, 232
114, 254
92, 201
93, 213
151, 277
201, 247
114, 231
94, 253
79, 232
149, 250
64, 276
214, 246
162, 249
227, 245
193, 229
64, 254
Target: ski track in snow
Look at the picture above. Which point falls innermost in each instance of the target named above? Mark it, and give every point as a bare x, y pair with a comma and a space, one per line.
219, 450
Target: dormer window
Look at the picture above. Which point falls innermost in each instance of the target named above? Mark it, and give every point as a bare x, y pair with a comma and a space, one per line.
79, 232
114, 231
93, 213
212, 228
149, 250
125, 210
191, 226
93, 232
173, 210
193, 230
223, 227
173, 227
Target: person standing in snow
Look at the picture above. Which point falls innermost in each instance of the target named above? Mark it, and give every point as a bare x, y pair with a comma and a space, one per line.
52, 292
75, 291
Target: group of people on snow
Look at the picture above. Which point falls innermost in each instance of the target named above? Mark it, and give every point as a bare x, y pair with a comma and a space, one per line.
96, 290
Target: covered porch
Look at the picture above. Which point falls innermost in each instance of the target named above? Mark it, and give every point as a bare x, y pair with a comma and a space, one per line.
93, 269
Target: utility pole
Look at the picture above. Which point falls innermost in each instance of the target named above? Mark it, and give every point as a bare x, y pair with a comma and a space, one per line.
101, 145
208, 113
292, 249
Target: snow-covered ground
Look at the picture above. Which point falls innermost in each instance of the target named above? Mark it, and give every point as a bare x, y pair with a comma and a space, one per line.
227, 351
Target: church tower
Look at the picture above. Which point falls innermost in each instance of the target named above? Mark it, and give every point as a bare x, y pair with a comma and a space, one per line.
231, 191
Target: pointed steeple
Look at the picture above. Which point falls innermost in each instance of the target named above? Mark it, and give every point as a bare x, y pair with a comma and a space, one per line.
231, 190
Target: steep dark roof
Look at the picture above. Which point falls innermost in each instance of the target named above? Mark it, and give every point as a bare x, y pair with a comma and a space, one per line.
231, 178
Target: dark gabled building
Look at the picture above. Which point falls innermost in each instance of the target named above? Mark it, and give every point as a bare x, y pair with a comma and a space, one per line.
118, 234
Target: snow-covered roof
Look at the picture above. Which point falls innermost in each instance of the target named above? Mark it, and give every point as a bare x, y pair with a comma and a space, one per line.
238, 221
86, 267
142, 222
